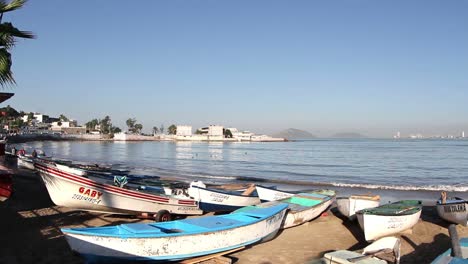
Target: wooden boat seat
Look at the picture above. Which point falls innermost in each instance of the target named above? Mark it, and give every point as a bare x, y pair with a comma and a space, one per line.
365, 197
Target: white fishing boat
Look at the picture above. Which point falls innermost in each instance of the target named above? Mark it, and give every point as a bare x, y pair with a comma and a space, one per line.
348, 206
389, 219
369, 255
273, 194
214, 200
177, 240
453, 209
97, 194
304, 207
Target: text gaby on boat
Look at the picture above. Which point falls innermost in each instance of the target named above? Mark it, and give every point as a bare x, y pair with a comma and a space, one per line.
97, 194
177, 240
389, 219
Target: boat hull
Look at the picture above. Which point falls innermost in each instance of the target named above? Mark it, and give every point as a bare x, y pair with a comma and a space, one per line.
377, 226
78, 192
174, 246
348, 206
269, 194
454, 211
298, 218
218, 201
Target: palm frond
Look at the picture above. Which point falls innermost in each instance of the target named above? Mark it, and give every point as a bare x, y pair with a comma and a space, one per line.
6, 76
8, 33
13, 5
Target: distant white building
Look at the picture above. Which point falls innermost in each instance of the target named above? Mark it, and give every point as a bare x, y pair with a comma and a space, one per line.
184, 131
241, 135
63, 124
463, 134
38, 118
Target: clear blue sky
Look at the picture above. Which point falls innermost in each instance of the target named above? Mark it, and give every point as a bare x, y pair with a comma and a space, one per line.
374, 67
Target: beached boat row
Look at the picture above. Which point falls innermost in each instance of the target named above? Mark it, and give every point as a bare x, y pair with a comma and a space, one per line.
259, 212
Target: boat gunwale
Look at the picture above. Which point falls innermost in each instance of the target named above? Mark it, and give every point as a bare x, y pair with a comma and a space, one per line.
224, 192
77, 231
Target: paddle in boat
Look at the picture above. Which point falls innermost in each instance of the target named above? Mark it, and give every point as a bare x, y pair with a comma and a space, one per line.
180, 239
458, 253
371, 254
389, 219
304, 207
348, 206
101, 195
215, 200
453, 209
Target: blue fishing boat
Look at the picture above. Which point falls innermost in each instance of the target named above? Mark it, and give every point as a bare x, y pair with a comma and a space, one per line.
177, 240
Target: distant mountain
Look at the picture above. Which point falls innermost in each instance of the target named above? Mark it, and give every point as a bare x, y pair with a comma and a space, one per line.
348, 135
293, 133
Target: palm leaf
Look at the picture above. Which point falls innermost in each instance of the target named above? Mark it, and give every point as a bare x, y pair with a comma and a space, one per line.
8, 33
6, 76
13, 5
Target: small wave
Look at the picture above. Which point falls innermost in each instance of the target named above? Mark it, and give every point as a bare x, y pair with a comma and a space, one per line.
449, 188
463, 187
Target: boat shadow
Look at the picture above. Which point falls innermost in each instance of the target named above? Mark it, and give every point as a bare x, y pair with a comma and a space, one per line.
31, 224
429, 214
425, 252
353, 227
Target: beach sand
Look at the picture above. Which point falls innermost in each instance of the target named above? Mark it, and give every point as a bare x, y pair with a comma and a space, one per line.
31, 224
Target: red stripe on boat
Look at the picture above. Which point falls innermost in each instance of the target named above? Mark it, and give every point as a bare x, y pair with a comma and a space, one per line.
82, 180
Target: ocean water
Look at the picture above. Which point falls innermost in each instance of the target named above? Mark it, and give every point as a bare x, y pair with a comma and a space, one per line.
389, 164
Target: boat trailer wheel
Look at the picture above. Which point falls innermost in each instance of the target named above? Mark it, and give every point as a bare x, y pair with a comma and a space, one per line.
163, 216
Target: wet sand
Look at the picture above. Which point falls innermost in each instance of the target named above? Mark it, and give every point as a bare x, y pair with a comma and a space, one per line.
31, 225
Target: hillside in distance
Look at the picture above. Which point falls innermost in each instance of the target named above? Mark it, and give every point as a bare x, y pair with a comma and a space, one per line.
293, 133
348, 135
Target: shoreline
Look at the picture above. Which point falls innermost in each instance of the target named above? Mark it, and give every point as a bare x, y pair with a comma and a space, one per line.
33, 232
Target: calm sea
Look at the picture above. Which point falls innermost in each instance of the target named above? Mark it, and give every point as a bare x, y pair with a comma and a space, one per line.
369, 163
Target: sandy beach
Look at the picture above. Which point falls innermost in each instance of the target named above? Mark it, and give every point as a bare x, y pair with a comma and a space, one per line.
31, 232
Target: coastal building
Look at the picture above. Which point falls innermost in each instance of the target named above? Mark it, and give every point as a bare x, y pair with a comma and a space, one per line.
240, 135
184, 130
463, 134
57, 126
212, 132
124, 136
38, 118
